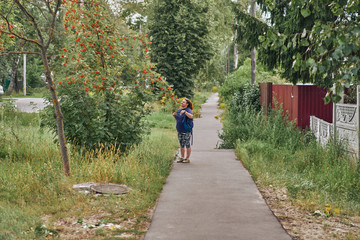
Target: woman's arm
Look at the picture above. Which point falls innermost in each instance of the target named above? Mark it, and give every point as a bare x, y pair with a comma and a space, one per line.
189, 115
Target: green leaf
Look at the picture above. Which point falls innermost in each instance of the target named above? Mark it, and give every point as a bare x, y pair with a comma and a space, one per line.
310, 61
271, 7
347, 49
305, 12
321, 69
346, 76
355, 70
347, 84
335, 98
337, 54
327, 98
314, 70
294, 41
304, 43
338, 87
321, 50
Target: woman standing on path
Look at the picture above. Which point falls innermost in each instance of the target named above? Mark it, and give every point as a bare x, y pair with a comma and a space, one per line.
184, 136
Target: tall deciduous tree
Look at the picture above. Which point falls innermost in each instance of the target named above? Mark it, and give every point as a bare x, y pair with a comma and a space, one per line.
180, 36
221, 21
40, 17
314, 41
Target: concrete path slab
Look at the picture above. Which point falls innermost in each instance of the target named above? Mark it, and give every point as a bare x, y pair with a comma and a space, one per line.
213, 197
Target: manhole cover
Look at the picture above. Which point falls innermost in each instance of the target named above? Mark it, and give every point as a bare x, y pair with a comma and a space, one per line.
110, 188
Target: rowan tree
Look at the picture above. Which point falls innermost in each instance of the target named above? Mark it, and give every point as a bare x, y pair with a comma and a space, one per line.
105, 67
106, 78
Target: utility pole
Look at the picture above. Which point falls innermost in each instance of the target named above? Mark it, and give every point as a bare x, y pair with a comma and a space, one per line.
253, 51
24, 87
236, 55
228, 60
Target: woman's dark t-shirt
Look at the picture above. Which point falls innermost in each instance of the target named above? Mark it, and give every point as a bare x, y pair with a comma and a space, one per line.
179, 119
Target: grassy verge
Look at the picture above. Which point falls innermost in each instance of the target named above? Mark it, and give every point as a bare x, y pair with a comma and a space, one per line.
31, 93
32, 184
37, 200
278, 154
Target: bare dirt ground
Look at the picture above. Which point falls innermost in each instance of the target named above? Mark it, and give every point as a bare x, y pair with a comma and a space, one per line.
100, 225
304, 225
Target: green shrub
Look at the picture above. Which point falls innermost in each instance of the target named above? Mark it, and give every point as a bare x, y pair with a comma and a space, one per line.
248, 97
241, 79
92, 120
236, 81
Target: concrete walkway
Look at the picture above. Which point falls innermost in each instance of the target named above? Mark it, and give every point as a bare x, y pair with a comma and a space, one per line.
213, 197
29, 104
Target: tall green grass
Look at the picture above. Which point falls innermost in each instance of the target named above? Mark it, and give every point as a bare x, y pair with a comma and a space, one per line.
277, 153
32, 183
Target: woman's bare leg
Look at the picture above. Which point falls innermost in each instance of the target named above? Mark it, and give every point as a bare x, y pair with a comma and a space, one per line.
182, 152
188, 153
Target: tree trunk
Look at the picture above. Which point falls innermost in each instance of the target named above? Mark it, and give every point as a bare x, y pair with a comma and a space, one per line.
16, 86
236, 54
13, 79
253, 66
253, 51
58, 114
43, 47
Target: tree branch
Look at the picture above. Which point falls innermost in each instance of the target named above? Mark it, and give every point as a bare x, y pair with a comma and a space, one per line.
52, 27
11, 8
22, 37
7, 22
32, 19
40, 9
49, 7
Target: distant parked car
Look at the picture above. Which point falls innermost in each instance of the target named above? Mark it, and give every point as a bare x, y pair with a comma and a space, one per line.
1, 90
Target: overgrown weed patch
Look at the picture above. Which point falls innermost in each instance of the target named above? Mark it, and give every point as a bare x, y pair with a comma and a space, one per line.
279, 154
33, 184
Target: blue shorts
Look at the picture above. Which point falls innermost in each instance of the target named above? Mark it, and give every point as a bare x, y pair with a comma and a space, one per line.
184, 139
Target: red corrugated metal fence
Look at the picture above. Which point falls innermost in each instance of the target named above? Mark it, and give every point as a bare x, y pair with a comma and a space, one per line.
302, 101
